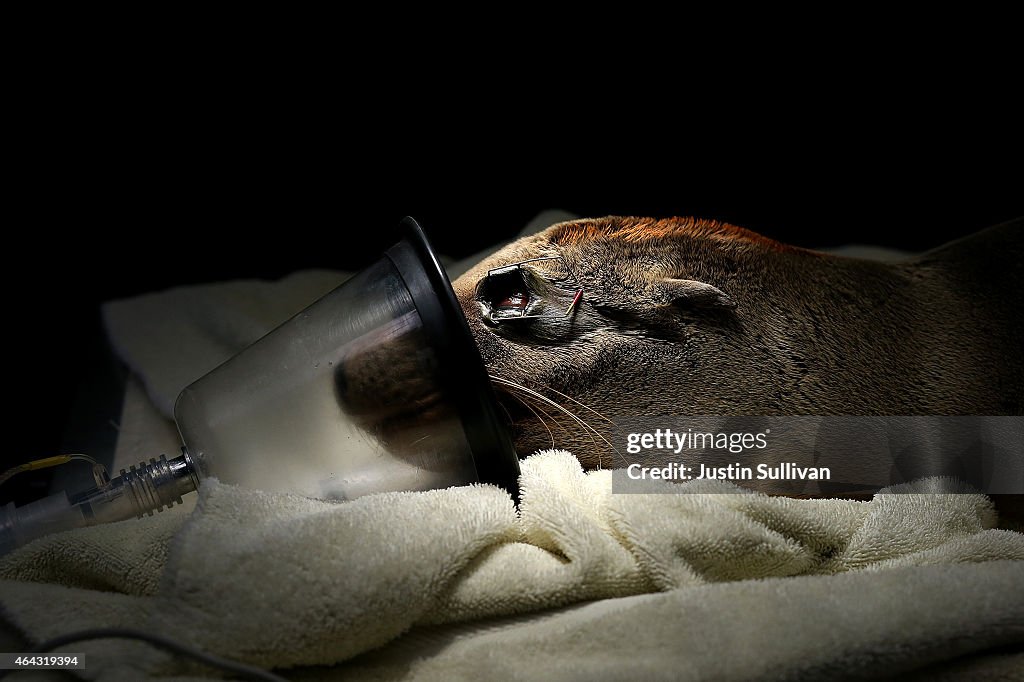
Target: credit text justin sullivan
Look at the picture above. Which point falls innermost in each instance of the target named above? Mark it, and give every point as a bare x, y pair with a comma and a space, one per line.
786, 471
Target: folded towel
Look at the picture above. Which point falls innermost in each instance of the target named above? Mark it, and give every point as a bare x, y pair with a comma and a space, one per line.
926, 624
282, 581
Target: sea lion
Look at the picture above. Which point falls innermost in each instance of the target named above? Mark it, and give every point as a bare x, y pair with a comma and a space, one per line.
630, 316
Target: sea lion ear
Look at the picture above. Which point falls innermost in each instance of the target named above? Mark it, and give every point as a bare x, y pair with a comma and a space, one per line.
689, 293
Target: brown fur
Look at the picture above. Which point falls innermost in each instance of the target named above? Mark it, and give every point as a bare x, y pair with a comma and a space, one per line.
683, 316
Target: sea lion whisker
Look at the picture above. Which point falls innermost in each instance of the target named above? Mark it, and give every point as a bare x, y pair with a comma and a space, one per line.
513, 386
567, 397
581, 404
527, 405
509, 384
587, 429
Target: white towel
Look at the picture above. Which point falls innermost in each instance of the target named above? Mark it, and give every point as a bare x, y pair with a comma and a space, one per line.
283, 581
923, 624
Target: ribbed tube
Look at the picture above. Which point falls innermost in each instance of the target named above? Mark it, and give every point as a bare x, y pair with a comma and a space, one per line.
141, 489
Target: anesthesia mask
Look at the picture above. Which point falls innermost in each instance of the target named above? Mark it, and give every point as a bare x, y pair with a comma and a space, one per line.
378, 386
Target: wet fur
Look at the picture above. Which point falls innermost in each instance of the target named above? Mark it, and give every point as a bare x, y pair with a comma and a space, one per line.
682, 316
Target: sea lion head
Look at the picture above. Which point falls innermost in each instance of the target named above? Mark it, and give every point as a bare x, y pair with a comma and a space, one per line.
592, 320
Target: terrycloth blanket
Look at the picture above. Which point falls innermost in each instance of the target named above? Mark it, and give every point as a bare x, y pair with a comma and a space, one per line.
455, 585
749, 585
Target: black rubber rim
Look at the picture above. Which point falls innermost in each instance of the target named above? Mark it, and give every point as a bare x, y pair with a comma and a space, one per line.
461, 367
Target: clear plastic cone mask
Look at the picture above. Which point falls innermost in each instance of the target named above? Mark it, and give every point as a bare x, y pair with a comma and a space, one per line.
362, 392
